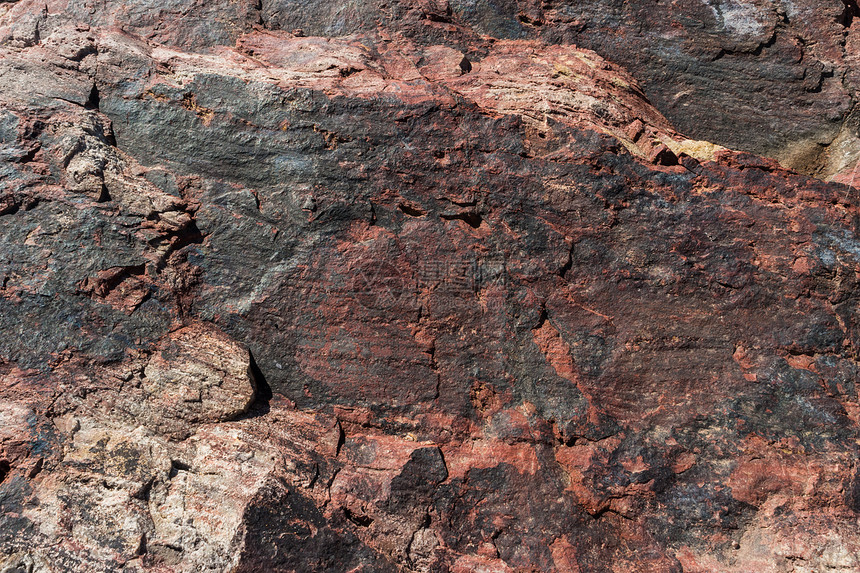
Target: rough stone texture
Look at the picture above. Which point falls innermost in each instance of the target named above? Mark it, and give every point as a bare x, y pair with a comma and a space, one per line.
427, 294
775, 77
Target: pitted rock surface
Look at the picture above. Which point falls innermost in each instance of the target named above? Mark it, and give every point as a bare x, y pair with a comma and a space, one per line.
428, 286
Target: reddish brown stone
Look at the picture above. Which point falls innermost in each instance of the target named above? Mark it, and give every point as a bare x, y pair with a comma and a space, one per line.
314, 286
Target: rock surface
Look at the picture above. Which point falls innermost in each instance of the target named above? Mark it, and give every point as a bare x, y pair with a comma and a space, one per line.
423, 286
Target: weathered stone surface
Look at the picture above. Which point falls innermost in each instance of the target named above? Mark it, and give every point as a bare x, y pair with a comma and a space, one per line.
198, 376
426, 294
785, 72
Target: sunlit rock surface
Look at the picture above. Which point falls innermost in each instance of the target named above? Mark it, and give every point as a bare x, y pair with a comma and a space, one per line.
426, 286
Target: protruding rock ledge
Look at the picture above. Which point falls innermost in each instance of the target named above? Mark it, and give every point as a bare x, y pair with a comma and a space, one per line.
199, 375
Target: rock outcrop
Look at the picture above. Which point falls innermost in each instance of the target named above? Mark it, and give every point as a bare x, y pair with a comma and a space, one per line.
424, 286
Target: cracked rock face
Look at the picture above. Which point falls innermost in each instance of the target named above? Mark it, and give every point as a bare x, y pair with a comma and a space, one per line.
427, 286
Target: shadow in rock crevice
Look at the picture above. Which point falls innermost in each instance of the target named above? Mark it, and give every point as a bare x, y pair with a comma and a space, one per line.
260, 406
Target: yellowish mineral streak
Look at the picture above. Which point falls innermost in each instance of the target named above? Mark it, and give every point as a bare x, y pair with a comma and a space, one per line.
695, 148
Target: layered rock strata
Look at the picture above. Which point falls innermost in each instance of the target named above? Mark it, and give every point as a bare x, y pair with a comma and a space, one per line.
305, 287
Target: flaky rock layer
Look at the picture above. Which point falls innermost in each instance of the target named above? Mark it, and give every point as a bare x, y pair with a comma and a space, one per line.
313, 286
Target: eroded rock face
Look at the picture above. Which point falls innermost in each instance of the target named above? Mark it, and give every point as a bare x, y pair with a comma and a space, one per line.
305, 286
776, 77
198, 376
